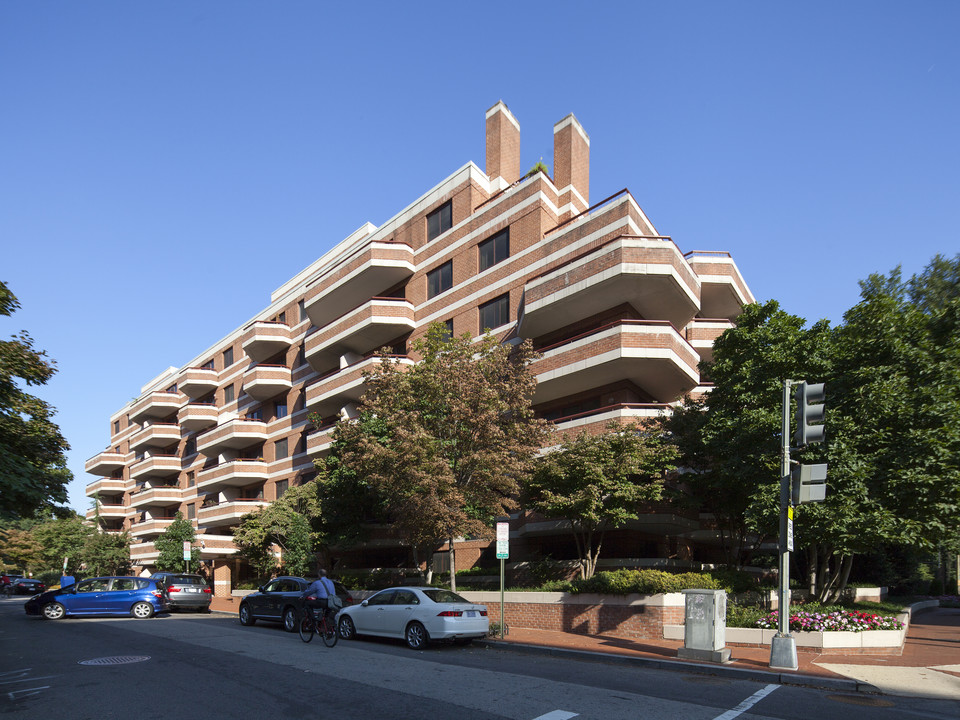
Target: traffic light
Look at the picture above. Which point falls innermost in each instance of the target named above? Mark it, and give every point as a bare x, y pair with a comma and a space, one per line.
810, 397
808, 483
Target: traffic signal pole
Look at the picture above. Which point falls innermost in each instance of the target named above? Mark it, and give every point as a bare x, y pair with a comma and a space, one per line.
783, 646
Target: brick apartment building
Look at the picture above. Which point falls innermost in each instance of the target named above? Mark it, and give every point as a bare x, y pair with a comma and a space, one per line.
619, 314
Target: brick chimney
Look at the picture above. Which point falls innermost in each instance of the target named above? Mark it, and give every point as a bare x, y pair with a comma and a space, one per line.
503, 144
571, 166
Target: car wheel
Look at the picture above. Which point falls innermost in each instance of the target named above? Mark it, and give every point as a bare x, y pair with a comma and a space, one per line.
290, 620
246, 617
54, 611
142, 610
346, 628
416, 636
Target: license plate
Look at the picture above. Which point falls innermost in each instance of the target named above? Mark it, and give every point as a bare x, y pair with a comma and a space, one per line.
471, 613
193, 590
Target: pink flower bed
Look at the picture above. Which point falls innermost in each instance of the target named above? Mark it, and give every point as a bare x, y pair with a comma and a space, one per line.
845, 620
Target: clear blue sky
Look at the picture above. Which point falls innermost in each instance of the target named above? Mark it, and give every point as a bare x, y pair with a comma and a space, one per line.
146, 148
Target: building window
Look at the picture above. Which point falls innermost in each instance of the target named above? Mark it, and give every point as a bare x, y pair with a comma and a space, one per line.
191, 511
255, 414
282, 486
301, 356
228, 357
449, 328
494, 250
191, 479
280, 410
116, 426
282, 317
172, 388
228, 394
280, 449
495, 313
440, 220
208, 365
302, 310
190, 446
440, 279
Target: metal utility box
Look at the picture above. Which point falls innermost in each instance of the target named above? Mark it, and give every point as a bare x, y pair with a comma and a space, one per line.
705, 626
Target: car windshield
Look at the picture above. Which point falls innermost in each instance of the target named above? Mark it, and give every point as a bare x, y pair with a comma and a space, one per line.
185, 580
439, 595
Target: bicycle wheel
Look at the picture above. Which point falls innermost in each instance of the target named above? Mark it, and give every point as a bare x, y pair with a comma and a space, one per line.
307, 626
328, 631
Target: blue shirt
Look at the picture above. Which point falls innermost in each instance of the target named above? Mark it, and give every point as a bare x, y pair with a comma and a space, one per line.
320, 585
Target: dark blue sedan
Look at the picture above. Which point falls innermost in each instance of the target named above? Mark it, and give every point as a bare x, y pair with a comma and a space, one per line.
139, 597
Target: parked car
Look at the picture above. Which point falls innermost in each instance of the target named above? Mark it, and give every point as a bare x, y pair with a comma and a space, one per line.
26, 586
279, 601
185, 590
139, 597
6, 580
416, 614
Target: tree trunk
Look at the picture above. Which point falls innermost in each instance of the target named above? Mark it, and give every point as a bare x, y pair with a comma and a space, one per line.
453, 567
840, 580
812, 570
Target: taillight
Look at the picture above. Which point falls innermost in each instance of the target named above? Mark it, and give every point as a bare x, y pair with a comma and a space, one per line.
173, 589
451, 613
207, 591
483, 613
158, 595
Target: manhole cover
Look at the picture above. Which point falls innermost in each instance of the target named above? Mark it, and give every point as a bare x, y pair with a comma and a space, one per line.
116, 660
866, 700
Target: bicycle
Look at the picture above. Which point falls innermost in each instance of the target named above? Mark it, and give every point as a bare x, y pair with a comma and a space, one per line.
325, 626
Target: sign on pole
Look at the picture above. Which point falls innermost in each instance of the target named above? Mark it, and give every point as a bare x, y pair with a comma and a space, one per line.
503, 541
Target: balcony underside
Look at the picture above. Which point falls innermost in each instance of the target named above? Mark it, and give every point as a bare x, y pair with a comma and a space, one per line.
264, 383
156, 406
105, 463
194, 417
157, 436
238, 473
234, 434
156, 467
264, 340
228, 513
367, 329
198, 382
159, 497
328, 395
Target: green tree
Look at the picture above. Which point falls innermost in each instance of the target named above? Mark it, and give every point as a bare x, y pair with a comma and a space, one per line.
169, 545
600, 482
33, 466
20, 549
731, 438
285, 524
107, 554
454, 434
63, 538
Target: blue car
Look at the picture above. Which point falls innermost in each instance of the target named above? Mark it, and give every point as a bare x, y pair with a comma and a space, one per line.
139, 597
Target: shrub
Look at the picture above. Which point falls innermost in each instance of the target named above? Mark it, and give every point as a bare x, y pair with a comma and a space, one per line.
831, 619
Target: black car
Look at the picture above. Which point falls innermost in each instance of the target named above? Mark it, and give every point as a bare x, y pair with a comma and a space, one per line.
279, 601
26, 586
185, 590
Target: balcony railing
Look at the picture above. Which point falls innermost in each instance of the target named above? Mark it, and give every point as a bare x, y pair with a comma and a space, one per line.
155, 406
262, 382
105, 463
156, 435
263, 340
228, 512
105, 486
236, 433
197, 416
156, 466
235, 473
364, 329
654, 356
331, 392
198, 382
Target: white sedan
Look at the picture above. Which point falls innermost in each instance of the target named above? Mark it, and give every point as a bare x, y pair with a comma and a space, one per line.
416, 614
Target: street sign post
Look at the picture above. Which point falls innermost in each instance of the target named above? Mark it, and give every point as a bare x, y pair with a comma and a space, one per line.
503, 552
186, 554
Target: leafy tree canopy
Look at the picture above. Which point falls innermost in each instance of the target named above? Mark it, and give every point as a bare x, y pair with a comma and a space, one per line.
599, 482
33, 467
169, 545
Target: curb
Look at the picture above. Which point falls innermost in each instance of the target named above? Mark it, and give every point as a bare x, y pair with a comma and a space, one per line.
841, 684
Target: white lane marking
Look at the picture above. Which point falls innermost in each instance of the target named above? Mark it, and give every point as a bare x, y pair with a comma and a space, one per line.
18, 694
747, 704
557, 715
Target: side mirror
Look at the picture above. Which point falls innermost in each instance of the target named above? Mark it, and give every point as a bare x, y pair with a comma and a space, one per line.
364, 603
260, 589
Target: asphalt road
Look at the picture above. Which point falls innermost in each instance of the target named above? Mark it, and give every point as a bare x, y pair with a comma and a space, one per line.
209, 666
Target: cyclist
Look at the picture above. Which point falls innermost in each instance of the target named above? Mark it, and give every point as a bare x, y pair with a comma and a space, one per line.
321, 588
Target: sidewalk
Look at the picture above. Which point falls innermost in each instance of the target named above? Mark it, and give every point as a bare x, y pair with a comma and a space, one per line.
928, 667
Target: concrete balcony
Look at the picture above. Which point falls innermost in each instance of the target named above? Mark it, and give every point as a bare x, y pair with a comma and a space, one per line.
143, 553
105, 463
649, 274
361, 331
330, 393
723, 293
105, 486
351, 280
198, 416
595, 422
262, 382
155, 406
651, 355
157, 435
150, 527
320, 441
263, 340
196, 382
156, 466
158, 496
228, 512
236, 473
236, 434
702, 332
108, 512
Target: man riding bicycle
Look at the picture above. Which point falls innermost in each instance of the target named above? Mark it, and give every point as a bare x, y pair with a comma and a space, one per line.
317, 595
